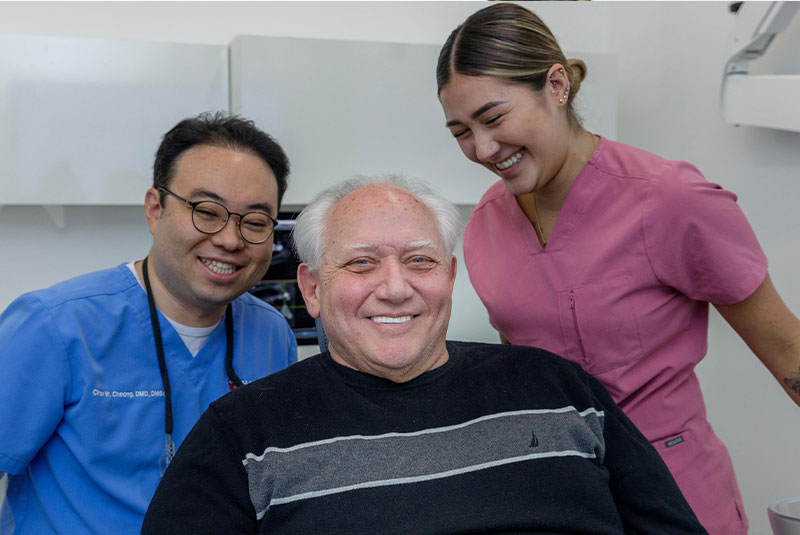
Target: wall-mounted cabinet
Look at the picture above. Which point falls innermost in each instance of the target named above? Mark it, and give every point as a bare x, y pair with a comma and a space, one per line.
80, 119
352, 107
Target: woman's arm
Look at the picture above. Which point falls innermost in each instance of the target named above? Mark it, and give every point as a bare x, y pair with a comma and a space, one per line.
771, 331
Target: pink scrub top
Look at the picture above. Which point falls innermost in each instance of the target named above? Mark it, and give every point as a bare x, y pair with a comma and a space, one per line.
639, 249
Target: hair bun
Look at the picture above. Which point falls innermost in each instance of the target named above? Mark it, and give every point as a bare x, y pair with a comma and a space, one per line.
577, 73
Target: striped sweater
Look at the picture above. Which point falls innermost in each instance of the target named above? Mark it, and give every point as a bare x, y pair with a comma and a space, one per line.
500, 439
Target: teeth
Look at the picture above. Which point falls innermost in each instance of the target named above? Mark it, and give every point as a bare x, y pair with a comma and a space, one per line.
219, 267
505, 164
388, 319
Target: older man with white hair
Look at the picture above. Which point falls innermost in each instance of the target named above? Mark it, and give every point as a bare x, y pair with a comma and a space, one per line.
395, 429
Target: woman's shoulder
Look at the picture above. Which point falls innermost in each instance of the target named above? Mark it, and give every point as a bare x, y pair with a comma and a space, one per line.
492, 197
492, 207
490, 211
627, 162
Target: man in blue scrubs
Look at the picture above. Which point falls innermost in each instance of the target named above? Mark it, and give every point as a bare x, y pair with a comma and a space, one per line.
106, 373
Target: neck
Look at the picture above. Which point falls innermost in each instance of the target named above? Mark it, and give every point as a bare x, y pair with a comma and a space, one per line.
172, 307
551, 197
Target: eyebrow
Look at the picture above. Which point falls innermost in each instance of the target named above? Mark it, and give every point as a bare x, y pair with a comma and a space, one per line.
264, 207
477, 113
411, 246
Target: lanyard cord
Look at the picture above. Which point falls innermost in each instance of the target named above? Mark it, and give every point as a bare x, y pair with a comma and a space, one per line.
162, 363
233, 379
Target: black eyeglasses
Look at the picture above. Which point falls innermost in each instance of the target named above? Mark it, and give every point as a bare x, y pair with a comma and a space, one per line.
209, 217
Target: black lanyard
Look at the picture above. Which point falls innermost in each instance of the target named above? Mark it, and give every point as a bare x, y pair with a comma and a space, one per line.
233, 379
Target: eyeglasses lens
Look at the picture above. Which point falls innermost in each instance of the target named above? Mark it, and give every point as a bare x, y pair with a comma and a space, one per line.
255, 227
210, 217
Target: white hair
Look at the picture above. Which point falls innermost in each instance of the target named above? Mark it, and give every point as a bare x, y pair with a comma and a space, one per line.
307, 233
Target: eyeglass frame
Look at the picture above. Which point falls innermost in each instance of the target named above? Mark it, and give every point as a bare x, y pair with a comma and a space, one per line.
193, 205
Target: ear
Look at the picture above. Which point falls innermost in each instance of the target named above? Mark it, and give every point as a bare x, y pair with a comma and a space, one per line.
152, 208
307, 281
452, 272
557, 85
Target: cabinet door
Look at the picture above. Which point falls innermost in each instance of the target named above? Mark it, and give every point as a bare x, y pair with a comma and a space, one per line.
81, 119
341, 108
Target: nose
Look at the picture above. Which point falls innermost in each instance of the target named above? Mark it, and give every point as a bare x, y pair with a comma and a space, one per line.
394, 285
229, 238
485, 148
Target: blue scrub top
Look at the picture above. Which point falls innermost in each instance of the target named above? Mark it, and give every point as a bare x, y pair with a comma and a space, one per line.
82, 406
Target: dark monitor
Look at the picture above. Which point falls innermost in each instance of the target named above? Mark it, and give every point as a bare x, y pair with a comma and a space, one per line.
279, 287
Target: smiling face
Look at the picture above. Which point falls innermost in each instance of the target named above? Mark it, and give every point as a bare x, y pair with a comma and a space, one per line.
384, 286
518, 134
195, 275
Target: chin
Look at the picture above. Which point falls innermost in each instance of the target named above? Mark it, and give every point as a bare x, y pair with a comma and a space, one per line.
520, 186
221, 299
515, 189
399, 362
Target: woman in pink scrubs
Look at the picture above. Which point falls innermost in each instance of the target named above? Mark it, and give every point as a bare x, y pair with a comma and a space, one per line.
606, 254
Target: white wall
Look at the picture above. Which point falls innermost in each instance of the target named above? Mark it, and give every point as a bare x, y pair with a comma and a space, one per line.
670, 61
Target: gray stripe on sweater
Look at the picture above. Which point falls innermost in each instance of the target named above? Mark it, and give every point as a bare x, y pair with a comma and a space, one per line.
340, 464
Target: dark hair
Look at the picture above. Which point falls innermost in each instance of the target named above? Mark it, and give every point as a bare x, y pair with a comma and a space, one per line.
224, 130
510, 42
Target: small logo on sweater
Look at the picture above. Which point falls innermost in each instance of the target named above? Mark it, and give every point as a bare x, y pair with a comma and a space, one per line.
534, 440
673, 442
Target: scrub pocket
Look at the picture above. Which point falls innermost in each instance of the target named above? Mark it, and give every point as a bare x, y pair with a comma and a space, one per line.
600, 331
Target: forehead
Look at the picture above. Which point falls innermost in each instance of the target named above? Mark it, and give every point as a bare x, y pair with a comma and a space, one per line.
226, 172
464, 94
378, 215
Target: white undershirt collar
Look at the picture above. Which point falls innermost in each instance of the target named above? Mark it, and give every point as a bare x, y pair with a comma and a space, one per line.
193, 337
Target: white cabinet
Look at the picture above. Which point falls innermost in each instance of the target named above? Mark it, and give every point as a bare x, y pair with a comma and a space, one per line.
349, 107
340, 108
81, 119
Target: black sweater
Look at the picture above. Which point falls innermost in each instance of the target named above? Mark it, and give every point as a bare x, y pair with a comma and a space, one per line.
500, 439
